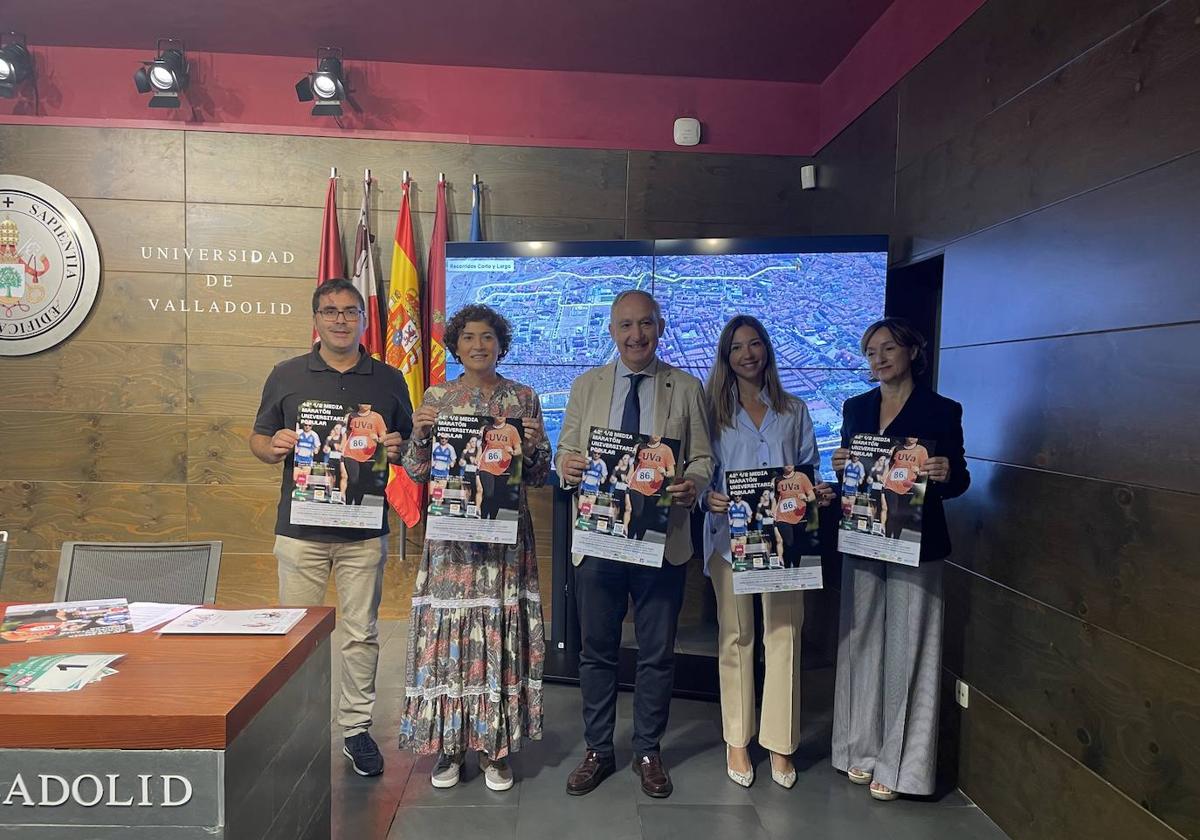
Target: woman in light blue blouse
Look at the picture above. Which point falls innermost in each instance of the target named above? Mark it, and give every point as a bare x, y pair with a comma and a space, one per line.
755, 424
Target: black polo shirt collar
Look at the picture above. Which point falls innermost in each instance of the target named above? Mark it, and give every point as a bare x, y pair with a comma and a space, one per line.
365, 364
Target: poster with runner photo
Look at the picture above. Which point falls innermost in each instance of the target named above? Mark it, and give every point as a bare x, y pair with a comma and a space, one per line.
474, 479
339, 467
622, 500
773, 529
883, 497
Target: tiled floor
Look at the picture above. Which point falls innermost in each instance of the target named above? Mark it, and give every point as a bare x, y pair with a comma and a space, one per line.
402, 804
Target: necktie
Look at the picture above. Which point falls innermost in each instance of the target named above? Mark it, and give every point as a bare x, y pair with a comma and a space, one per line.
631, 415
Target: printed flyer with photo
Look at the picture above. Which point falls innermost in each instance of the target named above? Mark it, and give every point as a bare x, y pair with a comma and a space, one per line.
883, 497
773, 529
622, 503
475, 474
65, 620
339, 467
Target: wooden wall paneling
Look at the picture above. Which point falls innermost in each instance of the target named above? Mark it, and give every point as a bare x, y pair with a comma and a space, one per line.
1117, 406
41, 515
1129, 715
1004, 48
1033, 790
246, 227
124, 228
1121, 108
1116, 257
143, 164
55, 446
218, 452
250, 311
293, 171
739, 189
521, 181
228, 381
248, 580
856, 176
123, 311
104, 376
664, 229
1121, 557
498, 228
29, 577
241, 516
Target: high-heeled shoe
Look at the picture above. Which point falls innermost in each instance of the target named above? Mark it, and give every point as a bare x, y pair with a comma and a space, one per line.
743, 779
786, 779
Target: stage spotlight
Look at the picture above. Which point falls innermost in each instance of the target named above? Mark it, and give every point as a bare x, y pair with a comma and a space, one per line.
166, 76
16, 64
326, 84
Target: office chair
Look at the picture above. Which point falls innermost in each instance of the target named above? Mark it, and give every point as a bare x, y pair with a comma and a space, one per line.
170, 573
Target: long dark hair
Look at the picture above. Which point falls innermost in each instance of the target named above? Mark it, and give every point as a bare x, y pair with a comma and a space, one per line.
722, 384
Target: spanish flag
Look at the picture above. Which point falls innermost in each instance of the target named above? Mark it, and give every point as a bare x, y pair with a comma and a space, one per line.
403, 350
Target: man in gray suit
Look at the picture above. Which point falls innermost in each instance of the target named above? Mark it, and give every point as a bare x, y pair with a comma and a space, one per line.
636, 393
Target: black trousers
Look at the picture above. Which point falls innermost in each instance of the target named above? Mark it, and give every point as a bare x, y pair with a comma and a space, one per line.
354, 481
899, 513
603, 589
489, 506
791, 551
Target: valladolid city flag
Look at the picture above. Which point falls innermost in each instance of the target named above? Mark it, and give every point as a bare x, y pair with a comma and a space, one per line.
403, 349
435, 292
331, 262
364, 276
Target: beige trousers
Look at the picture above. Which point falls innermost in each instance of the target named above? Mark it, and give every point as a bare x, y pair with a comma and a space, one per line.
304, 567
783, 616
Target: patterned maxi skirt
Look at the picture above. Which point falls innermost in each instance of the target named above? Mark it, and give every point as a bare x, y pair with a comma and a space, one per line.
476, 649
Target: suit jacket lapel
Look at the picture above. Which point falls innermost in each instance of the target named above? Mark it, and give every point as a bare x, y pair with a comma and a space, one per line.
601, 399
662, 397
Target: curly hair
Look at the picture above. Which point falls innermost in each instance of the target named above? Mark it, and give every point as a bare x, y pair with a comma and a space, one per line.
485, 314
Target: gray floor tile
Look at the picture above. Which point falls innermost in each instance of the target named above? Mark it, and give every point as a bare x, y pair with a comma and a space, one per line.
494, 823
705, 802
691, 822
607, 812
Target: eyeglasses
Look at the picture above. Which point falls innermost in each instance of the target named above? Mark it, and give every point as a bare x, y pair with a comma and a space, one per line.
331, 315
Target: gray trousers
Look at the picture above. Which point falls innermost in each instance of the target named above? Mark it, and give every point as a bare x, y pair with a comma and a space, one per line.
885, 709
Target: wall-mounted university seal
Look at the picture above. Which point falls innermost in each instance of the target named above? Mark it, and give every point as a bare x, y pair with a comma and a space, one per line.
49, 266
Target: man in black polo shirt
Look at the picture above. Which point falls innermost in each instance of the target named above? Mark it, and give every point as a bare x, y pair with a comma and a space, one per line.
338, 370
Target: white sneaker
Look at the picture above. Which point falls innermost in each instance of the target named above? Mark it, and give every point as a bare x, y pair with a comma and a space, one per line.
447, 771
497, 775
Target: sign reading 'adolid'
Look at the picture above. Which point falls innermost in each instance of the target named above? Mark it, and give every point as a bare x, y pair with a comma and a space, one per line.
49, 266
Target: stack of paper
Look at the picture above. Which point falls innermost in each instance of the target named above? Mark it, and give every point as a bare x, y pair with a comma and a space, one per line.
253, 622
64, 620
64, 672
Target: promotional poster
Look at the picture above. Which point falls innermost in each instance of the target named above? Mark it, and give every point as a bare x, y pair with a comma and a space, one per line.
340, 466
883, 496
623, 505
65, 620
474, 479
773, 529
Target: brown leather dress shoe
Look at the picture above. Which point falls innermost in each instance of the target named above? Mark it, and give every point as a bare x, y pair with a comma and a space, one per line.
593, 770
656, 781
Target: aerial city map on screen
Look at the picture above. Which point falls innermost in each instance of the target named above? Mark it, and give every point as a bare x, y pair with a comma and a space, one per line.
814, 305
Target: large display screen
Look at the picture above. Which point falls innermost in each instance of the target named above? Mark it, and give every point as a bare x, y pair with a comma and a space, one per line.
815, 295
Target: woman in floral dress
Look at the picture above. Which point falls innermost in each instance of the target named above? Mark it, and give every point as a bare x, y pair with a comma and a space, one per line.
475, 645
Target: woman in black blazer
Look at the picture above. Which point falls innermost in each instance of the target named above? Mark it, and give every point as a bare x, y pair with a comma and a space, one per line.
890, 642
